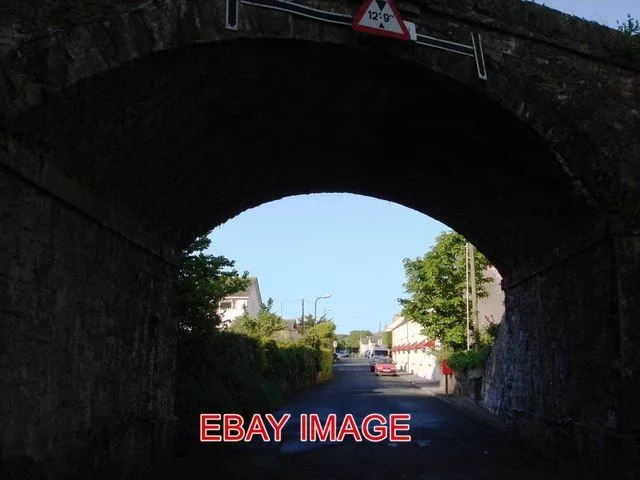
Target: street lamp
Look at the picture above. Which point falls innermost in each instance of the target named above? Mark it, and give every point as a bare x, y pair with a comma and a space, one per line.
315, 308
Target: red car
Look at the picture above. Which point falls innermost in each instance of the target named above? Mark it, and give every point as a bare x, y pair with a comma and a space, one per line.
384, 366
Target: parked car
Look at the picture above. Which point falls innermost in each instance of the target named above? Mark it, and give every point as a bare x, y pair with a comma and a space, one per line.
372, 362
343, 354
385, 366
336, 358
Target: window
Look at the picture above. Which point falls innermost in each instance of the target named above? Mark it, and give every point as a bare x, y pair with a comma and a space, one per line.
226, 304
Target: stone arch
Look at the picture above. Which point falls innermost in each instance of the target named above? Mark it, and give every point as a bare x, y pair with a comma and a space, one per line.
372, 91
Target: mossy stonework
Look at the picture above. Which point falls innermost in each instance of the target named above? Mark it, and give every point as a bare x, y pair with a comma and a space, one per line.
127, 128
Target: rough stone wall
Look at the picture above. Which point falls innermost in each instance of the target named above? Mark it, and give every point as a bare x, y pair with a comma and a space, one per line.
87, 341
552, 374
627, 368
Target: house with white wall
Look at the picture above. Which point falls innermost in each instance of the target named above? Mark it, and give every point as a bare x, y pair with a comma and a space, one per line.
232, 306
412, 351
367, 344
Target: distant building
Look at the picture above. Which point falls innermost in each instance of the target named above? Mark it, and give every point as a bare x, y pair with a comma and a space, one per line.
290, 333
367, 344
248, 300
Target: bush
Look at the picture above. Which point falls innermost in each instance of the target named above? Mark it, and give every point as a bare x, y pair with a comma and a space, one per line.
325, 364
467, 359
232, 373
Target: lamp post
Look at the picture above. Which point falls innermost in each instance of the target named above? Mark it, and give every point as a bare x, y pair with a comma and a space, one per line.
315, 308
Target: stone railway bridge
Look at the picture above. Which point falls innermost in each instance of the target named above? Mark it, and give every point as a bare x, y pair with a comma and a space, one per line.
127, 128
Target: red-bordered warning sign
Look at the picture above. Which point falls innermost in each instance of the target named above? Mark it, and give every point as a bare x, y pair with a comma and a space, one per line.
380, 17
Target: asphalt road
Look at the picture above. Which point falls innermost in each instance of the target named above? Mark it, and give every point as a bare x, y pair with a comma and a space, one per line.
446, 444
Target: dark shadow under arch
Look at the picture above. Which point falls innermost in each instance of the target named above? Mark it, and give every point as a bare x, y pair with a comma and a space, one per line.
185, 139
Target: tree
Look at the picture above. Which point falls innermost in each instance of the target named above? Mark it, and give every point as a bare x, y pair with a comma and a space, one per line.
265, 325
204, 280
342, 341
321, 335
630, 30
309, 321
436, 284
353, 340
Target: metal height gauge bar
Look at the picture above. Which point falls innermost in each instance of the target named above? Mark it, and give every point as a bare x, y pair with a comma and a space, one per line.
474, 50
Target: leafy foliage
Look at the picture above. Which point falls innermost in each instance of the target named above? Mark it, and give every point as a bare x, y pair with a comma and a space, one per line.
221, 371
321, 335
264, 326
630, 30
489, 334
342, 341
320, 339
386, 338
352, 341
203, 281
436, 284
228, 372
467, 359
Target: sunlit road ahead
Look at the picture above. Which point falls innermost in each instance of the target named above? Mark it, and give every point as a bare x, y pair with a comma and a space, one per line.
445, 443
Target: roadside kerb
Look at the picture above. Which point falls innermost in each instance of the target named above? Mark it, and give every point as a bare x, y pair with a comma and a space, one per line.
464, 405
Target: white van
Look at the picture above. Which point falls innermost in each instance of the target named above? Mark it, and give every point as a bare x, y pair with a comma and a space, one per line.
379, 352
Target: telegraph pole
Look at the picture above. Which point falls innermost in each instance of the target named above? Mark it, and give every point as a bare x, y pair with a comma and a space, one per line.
474, 298
302, 321
466, 292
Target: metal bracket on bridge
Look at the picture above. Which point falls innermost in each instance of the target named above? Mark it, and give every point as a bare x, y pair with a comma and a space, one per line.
473, 50
232, 15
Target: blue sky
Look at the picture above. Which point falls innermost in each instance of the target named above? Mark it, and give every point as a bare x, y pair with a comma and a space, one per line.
601, 11
346, 245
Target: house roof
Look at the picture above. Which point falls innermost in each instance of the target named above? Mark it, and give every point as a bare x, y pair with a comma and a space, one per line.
291, 324
247, 291
291, 330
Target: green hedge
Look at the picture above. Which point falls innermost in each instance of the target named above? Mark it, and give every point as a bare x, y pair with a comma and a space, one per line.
229, 372
467, 359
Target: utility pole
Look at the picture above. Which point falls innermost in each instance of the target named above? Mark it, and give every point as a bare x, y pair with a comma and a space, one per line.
466, 292
302, 321
474, 299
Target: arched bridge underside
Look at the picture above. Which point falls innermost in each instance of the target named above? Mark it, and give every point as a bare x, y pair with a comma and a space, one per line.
125, 131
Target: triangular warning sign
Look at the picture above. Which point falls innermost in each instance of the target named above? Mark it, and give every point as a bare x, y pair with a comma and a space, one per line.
380, 17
